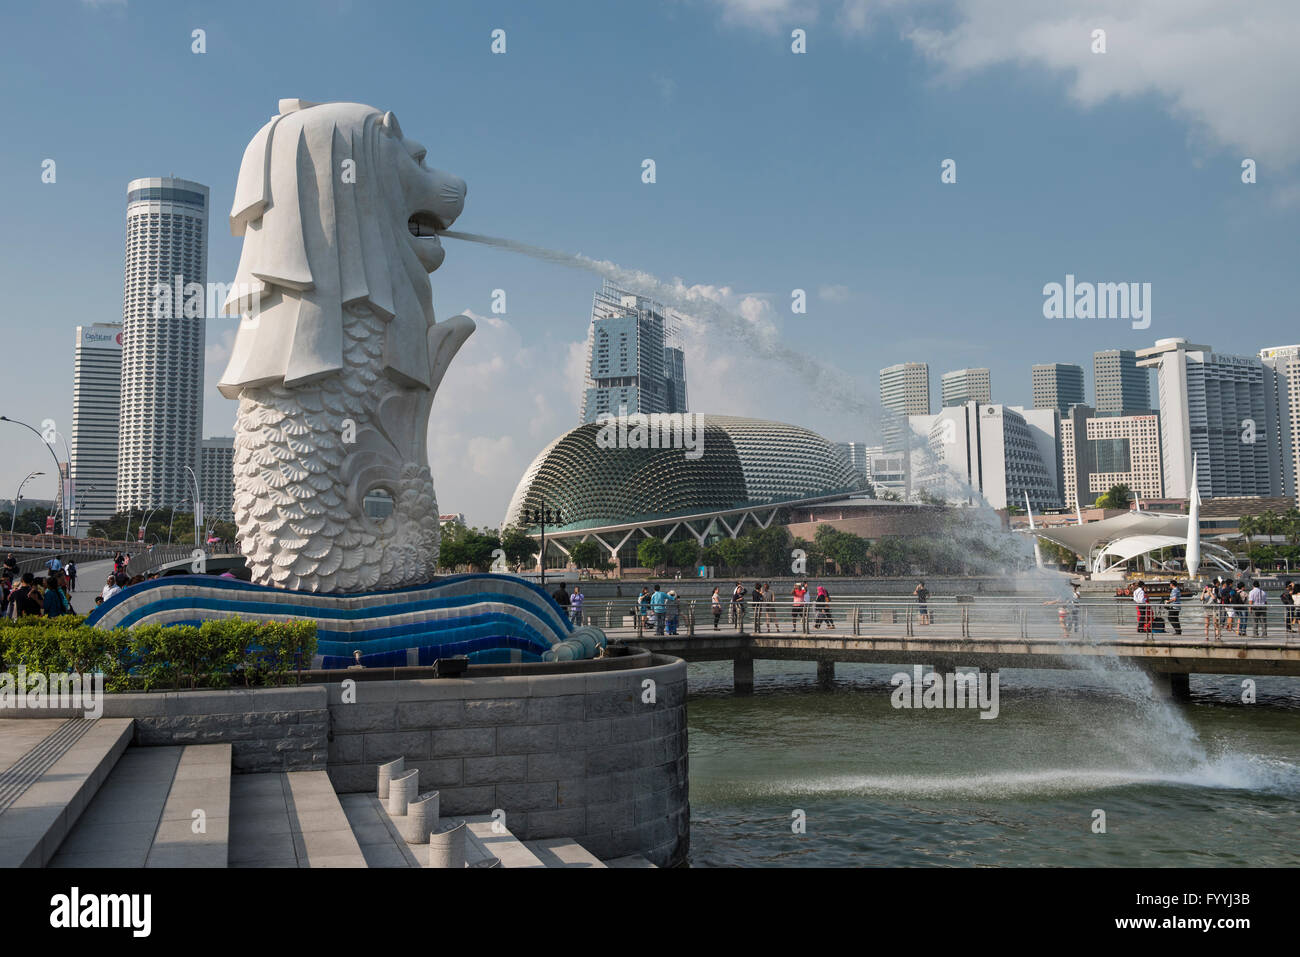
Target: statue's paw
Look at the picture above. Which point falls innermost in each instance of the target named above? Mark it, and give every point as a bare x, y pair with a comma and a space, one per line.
445, 340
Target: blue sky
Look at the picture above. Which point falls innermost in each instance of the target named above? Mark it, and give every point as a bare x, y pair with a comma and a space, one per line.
775, 171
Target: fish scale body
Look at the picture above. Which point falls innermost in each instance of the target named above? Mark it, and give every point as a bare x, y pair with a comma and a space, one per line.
296, 525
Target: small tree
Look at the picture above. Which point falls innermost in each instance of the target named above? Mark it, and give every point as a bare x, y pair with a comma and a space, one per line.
518, 547
1118, 496
683, 552
651, 553
585, 554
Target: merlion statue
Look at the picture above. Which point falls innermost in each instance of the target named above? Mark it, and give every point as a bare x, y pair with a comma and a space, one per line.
338, 356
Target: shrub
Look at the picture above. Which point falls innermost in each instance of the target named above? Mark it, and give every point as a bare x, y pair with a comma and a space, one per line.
151, 657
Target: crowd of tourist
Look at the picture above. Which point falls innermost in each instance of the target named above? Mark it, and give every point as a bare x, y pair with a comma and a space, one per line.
25, 594
1227, 606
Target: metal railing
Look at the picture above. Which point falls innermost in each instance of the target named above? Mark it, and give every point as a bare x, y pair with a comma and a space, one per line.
1094, 620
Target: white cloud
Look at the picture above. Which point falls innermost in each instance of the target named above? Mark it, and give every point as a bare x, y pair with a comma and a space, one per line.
1228, 70
496, 390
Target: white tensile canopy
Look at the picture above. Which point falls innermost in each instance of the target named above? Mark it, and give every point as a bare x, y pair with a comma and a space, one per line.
1082, 539
1113, 541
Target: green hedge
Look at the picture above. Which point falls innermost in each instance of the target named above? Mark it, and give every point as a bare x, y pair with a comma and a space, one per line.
217, 654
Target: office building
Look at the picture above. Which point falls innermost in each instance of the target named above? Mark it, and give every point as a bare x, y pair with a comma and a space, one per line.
1119, 385
1282, 398
855, 453
163, 310
991, 452
1213, 407
886, 471
1057, 385
675, 374
965, 385
904, 391
905, 388
632, 363
1098, 452
96, 403
217, 479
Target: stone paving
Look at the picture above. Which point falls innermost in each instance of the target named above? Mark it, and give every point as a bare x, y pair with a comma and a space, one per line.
289, 819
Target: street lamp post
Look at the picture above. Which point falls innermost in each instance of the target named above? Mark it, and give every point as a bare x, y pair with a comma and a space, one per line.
543, 517
18, 496
197, 504
144, 523
71, 496
57, 467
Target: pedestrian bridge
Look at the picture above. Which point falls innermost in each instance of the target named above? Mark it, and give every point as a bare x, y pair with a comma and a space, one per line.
989, 636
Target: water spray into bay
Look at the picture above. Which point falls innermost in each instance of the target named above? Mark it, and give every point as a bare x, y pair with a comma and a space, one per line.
834, 385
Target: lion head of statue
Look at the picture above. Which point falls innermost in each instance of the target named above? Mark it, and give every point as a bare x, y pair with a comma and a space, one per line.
336, 206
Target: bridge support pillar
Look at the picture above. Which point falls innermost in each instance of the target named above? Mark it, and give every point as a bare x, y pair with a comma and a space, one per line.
1176, 685
742, 675
825, 672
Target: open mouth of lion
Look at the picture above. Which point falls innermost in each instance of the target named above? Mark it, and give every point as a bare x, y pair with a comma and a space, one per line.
425, 225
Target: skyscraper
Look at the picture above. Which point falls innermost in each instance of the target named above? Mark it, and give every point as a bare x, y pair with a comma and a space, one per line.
1121, 387
855, 453
163, 311
632, 364
1057, 385
96, 400
675, 373
1099, 452
905, 388
1282, 396
904, 391
965, 385
1213, 406
1001, 452
217, 479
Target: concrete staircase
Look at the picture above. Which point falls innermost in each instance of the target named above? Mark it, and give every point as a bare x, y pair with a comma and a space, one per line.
52, 768
488, 843
73, 793
158, 807
290, 819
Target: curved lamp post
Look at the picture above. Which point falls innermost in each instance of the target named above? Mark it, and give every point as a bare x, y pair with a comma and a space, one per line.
197, 505
18, 497
145, 522
171, 520
58, 470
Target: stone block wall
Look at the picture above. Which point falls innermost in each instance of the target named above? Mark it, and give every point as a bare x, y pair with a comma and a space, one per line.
591, 756
270, 729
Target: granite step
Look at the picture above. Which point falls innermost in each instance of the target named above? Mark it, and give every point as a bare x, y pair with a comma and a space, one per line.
144, 815
45, 792
631, 860
383, 845
290, 819
563, 852
199, 800
501, 844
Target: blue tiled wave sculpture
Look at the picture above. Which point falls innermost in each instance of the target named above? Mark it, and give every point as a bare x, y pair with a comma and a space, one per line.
489, 618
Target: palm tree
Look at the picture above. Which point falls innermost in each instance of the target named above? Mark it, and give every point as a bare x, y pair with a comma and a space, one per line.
1270, 524
1248, 525
1291, 525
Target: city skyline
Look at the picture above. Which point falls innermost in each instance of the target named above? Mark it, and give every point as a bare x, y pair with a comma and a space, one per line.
926, 279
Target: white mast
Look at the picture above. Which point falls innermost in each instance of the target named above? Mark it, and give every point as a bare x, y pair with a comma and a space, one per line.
1193, 561
1038, 552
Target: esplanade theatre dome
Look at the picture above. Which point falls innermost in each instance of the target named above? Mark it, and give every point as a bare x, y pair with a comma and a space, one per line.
739, 463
